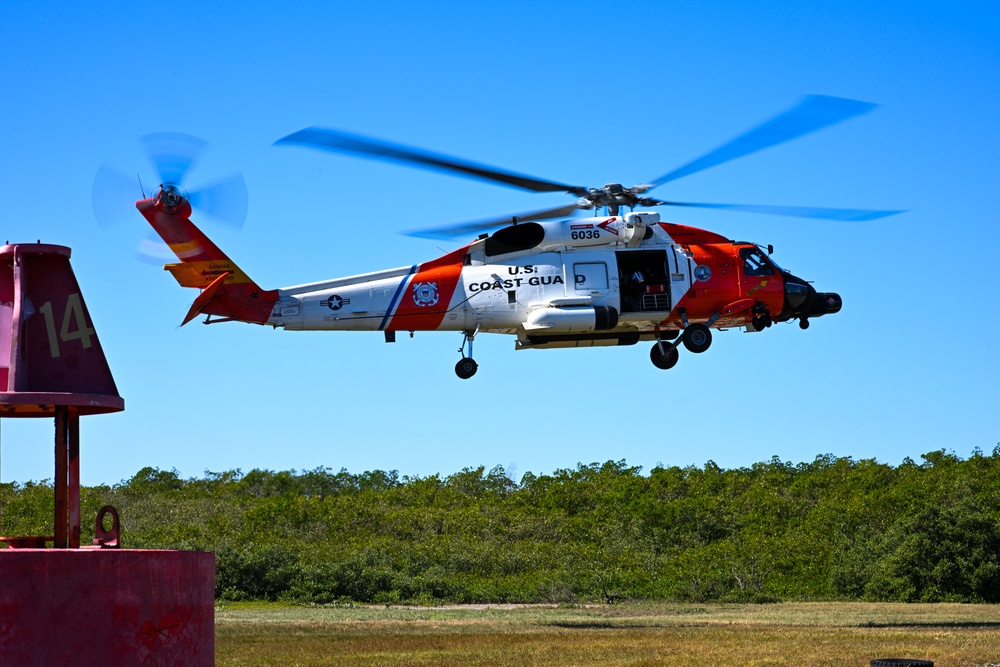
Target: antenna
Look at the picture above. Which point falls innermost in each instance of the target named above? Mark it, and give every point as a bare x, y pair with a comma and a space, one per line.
141, 191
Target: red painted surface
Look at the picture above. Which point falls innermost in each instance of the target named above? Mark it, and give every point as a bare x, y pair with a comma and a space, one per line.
443, 273
202, 263
50, 354
725, 290
90, 607
684, 234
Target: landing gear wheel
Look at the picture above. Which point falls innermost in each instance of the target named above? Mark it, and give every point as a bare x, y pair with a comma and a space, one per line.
697, 338
803, 324
761, 317
466, 368
664, 361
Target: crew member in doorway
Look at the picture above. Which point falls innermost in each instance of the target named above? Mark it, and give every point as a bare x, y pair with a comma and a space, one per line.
636, 288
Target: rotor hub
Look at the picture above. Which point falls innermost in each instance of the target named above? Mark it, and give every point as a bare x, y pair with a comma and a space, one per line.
170, 197
612, 195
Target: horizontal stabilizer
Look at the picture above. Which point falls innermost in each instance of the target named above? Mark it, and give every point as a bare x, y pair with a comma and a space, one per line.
203, 274
203, 299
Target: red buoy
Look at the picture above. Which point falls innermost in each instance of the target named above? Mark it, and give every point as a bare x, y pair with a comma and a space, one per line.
99, 604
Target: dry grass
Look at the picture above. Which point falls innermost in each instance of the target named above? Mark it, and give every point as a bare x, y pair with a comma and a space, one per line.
779, 634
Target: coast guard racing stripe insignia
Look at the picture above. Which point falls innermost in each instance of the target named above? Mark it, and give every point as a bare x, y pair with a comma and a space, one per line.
425, 294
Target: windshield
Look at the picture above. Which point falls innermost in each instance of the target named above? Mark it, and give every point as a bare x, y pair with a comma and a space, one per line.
770, 258
755, 262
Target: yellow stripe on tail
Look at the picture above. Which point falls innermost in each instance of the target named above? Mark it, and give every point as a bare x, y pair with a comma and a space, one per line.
201, 274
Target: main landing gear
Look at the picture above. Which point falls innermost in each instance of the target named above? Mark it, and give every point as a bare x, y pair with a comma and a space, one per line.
664, 355
696, 338
467, 367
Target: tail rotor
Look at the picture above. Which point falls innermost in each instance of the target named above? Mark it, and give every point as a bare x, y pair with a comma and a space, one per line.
173, 156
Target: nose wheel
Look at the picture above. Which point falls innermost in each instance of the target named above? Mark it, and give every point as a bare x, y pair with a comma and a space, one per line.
762, 321
466, 366
761, 317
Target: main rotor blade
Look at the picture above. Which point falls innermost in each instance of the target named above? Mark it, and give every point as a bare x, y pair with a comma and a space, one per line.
173, 154
847, 214
813, 113
342, 142
465, 228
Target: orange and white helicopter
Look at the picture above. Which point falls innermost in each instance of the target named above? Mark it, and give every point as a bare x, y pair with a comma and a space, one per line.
545, 277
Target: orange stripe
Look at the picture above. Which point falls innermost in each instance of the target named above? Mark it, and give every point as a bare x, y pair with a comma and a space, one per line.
439, 278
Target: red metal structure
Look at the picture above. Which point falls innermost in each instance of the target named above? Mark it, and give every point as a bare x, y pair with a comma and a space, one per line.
51, 365
99, 604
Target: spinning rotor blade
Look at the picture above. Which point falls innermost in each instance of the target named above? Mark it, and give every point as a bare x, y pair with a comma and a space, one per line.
113, 196
847, 214
173, 154
813, 113
152, 250
226, 200
448, 232
342, 142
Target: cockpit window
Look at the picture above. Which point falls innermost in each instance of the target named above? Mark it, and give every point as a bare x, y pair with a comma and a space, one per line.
755, 263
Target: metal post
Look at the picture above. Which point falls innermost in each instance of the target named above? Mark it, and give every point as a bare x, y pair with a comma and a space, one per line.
74, 478
62, 478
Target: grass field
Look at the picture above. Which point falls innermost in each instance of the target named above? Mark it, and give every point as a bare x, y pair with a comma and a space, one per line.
800, 634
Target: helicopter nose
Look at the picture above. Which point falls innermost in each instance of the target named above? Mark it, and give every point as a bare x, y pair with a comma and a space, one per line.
825, 303
803, 301
796, 294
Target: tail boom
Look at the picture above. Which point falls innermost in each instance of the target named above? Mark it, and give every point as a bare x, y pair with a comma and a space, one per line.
227, 292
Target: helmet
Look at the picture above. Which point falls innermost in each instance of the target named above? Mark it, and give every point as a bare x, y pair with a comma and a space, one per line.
638, 277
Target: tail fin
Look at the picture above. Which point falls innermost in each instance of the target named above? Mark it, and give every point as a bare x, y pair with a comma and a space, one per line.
227, 292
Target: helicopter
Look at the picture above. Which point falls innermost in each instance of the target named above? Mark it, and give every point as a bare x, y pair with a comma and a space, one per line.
550, 278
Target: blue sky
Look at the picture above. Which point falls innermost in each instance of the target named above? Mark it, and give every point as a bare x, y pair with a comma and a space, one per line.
579, 92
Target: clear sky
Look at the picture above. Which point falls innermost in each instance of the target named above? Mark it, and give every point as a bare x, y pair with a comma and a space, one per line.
581, 92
